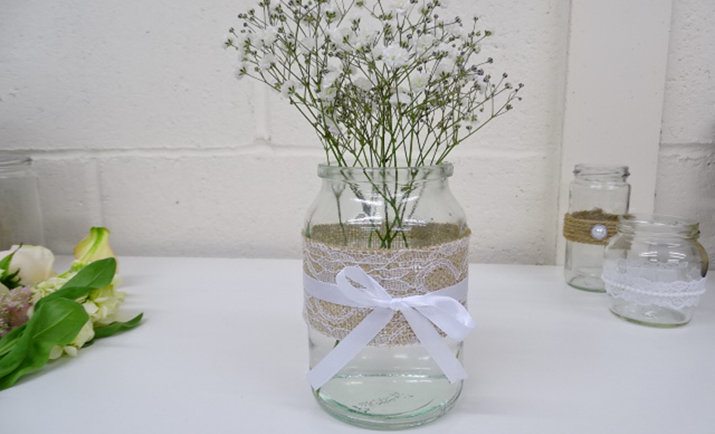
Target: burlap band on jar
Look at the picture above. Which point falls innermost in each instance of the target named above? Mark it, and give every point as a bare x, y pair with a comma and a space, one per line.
590, 227
402, 272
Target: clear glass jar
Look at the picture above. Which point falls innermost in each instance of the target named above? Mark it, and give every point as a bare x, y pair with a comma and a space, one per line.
597, 196
405, 229
654, 270
20, 214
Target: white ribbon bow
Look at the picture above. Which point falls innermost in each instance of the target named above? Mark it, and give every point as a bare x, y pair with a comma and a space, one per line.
441, 308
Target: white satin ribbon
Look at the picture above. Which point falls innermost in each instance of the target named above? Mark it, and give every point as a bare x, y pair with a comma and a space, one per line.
442, 308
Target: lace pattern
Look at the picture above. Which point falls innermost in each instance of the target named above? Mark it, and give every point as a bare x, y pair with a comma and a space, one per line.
402, 272
670, 285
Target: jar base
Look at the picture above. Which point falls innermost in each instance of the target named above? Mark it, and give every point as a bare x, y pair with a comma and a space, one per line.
388, 402
587, 283
652, 316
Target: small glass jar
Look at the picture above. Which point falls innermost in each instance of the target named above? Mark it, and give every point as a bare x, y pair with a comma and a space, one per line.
654, 270
20, 214
597, 196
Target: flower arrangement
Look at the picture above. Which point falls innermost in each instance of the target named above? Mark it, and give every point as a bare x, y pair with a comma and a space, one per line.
384, 83
44, 315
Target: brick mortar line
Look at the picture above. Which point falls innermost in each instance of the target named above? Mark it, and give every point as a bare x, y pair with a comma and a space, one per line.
259, 149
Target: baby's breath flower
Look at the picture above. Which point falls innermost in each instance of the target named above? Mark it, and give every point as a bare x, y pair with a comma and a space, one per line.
363, 83
268, 36
402, 78
267, 61
395, 56
419, 81
287, 88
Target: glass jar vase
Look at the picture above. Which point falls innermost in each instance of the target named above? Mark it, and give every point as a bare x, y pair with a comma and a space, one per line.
654, 270
399, 235
597, 196
20, 214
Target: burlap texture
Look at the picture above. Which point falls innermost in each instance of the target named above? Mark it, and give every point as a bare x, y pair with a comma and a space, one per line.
578, 225
401, 271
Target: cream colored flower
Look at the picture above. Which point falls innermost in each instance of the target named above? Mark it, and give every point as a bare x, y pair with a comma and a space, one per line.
94, 247
36, 263
85, 335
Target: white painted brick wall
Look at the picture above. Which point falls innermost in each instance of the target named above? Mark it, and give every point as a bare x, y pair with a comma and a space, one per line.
686, 167
135, 121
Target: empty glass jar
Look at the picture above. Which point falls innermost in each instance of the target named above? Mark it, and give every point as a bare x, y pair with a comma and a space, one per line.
654, 270
597, 196
20, 215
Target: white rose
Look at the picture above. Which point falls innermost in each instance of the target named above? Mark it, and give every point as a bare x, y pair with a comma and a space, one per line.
36, 263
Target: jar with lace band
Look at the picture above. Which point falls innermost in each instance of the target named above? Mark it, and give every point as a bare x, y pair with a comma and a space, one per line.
385, 278
654, 270
597, 196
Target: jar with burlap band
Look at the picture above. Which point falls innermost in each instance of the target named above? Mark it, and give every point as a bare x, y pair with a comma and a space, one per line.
386, 258
590, 227
598, 194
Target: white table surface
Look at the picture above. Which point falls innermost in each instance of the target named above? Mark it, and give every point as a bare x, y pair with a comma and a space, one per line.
223, 349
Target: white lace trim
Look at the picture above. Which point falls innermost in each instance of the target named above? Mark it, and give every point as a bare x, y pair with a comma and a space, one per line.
672, 285
402, 272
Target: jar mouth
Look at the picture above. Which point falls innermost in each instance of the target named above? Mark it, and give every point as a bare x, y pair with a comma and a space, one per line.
601, 170
658, 225
372, 174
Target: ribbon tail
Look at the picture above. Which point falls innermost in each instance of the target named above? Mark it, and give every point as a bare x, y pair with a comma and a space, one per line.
435, 346
349, 347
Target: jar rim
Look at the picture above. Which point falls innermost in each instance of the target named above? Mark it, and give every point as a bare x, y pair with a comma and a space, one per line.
658, 225
357, 173
601, 170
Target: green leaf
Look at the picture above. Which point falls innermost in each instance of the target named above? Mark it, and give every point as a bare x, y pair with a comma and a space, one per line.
5, 262
96, 275
65, 293
55, 323
11, 281
116, 327
8, 342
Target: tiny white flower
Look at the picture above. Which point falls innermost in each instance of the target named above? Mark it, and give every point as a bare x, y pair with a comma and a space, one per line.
424, 43
400, 97
395, 56
364, 38
450, 49
267, 61
398, 7
332, 127
330, 78
363, 83
445, 66
337, 35
287, 87
266, 37
327, 94
419, 81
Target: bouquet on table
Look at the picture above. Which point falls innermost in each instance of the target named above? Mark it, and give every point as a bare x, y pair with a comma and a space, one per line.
44, 315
